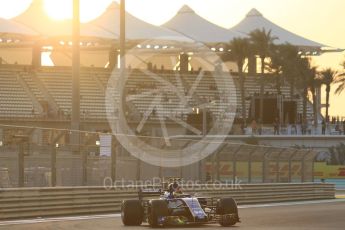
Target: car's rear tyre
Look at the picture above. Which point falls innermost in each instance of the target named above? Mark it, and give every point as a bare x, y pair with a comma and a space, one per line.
132, 213
158, 208
227, 206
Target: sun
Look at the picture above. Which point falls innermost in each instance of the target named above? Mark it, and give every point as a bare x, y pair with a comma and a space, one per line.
58, 10
63, 9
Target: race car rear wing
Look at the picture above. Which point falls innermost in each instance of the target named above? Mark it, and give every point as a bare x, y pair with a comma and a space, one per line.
149, 192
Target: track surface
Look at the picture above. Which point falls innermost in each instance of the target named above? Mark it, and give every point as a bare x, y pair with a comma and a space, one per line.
302, 215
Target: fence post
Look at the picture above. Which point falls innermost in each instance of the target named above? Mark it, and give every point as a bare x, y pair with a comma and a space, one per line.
290, 165
265, 166
234, 164
84, 167
250, 165
218, 166
278, 166
21, 165
53, 166
181, 167
113, 160
303, 166
234, 168
138, 169
302, 170
213, 163
312, 170
200, 170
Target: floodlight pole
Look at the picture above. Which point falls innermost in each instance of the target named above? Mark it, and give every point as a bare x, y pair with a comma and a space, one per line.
75, 118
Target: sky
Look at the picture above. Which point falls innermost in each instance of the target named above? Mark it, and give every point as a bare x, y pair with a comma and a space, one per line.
318, 20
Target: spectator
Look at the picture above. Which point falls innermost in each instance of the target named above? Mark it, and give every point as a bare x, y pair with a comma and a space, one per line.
323, 127
208, 177
294, 127
337, 127
149, 66
276, 126
254, 126
259, 126
242, 127
304, 127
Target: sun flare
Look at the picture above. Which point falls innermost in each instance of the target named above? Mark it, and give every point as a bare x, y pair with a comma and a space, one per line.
58, 10
63, 9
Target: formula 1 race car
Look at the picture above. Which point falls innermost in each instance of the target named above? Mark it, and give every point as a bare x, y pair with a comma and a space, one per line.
181, 209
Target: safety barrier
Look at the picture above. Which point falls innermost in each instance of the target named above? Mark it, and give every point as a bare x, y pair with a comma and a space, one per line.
38, 202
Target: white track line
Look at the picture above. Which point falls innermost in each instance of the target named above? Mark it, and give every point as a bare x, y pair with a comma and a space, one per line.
58, 219
291, 203
75, 218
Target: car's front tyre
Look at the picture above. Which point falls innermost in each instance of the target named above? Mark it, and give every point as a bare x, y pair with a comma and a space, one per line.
158, 209
228, 211
132, 213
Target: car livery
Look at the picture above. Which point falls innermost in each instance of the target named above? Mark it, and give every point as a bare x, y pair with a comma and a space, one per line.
178, 209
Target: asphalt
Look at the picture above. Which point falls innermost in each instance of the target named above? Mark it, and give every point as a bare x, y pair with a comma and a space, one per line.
300, 215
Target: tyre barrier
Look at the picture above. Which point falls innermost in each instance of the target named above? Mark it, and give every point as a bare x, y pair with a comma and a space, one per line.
17, 203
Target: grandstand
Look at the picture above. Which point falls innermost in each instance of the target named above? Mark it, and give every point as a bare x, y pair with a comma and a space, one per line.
159, 104
26, 91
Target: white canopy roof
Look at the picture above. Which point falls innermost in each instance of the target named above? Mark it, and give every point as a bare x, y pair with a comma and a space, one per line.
10, 28
11, 51
255, 20
136, 29
187, 22
37, 19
